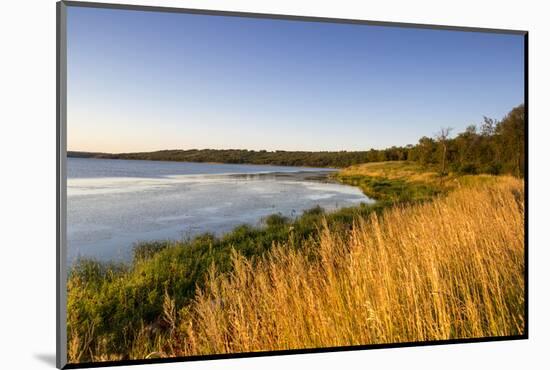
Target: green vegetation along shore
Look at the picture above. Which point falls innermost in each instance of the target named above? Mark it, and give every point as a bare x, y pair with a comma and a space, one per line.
148, 307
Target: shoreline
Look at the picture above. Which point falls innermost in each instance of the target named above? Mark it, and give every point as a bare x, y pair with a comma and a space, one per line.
213, 163
167, 272
201, 162
192, 230
381, 199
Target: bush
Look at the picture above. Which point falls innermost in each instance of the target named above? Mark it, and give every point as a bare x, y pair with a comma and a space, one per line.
276, 220
468, 168
315, 211
146, 250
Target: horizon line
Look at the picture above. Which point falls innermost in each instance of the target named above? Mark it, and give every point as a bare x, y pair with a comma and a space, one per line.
240, 149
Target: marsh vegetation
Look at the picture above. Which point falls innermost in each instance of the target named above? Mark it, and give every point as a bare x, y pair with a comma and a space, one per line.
440, 255
432, 259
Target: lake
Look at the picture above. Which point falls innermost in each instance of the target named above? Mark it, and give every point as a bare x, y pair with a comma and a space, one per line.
111, 204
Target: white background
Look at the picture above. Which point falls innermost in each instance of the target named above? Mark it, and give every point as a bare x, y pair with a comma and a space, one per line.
27, 196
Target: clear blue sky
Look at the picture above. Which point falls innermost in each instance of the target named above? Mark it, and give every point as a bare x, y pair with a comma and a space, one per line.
140, 81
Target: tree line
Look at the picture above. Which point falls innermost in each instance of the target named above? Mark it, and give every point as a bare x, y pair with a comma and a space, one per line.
494, 147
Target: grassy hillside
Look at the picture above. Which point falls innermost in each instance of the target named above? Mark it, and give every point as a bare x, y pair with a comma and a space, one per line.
405, 181
397, 181
435, 258
452, 268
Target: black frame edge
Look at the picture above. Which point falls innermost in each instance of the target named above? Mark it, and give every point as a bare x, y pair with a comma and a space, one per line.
226, 356
526, 181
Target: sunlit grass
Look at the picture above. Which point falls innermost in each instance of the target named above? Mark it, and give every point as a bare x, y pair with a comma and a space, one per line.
435, 258
452, 268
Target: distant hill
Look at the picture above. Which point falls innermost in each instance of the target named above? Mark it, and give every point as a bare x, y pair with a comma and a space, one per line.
263, 157
494, 147
74, 154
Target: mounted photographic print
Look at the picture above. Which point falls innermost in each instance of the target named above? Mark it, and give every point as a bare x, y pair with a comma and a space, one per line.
235, 184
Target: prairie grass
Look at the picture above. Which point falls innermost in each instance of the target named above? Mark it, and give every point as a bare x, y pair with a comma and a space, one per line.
452, 268
405, 269
118, 310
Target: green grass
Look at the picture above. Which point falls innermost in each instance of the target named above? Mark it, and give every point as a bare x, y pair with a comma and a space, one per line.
109, 304
395, 182
392, 190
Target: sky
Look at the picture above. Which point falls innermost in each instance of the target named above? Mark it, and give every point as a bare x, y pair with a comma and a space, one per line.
144, 81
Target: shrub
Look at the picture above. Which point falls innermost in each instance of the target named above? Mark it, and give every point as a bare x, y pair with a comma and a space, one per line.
145, 250
276, 220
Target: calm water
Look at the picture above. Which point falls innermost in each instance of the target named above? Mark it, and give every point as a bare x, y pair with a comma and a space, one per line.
111, 204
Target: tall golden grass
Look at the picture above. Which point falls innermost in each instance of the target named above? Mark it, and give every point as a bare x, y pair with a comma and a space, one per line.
451, 268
